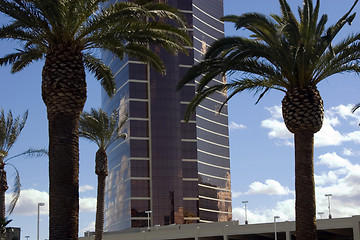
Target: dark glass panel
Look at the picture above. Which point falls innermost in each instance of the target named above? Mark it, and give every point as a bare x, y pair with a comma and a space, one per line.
138, 208
138, 90
190, 170
140, 168
191, 189
140, 188
139, 128
189, 150
205, 123
139, 223
203, 157
213, 182
139, 148
137, 71
138, 109
188, 130
191, 209
213, 171
215, 138
214, 149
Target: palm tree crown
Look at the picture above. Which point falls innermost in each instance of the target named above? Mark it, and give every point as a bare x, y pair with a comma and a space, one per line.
121, 28
67, 34
282, 53
103, 130
292, 56
100, 128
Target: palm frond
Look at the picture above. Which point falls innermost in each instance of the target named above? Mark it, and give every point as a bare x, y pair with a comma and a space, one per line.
100, 128
102, 73
10, 129
16, 190
31, 153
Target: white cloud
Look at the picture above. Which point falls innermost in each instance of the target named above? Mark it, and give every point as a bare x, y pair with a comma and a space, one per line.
87, 204
235, 194
285, 209
86, 188
235, 126
327, 136
332, 160
270, 187
339, 176
29, 199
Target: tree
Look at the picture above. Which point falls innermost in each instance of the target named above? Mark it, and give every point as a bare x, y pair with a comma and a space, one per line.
67, 34
10, 129
103, 130
292, 56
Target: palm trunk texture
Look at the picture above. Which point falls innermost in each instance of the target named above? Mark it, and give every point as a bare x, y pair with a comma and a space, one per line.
101, 169
64, 93
303, 114
3, 188
305, 186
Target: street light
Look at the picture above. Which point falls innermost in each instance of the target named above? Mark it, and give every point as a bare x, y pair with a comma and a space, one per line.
148, 218
27, 237
38, 217
246, 221
321, 213
275, 217
328, 196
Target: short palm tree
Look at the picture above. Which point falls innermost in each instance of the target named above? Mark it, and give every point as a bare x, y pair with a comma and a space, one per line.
10, 129
67, 34
103, 130
292, 56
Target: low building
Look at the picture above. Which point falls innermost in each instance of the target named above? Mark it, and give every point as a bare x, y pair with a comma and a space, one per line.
335, 229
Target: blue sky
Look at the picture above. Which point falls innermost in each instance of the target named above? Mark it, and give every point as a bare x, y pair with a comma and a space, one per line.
262, 155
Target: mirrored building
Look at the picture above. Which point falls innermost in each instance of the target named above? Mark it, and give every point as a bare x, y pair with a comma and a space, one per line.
180, 171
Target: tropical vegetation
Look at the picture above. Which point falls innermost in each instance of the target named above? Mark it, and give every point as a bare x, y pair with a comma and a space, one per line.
10, 129
67, 34
290, 55
103, 130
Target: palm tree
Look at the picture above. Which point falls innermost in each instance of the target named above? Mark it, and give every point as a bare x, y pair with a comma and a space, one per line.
67, 34
10, 129
292, 56
103, 130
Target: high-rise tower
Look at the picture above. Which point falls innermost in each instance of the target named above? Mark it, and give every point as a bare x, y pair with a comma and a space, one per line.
179, 171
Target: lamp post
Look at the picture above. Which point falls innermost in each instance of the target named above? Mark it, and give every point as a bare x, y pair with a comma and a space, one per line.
320, 213
148, 218
245, 202
328, 196
275, 217
38, 217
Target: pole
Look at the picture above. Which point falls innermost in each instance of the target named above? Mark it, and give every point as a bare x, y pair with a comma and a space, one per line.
328, 196
148, 218
38, 218
275, 217
246, 221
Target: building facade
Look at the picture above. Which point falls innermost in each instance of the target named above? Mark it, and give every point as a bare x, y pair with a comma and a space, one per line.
180, 171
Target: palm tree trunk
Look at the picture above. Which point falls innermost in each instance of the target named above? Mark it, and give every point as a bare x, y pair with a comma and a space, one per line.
305, 186
101, 169
64, 93
64, 177
99, 223
3, 188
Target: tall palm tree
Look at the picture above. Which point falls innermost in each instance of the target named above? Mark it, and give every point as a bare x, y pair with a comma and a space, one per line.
10, 129
103, 130
292, 56
67, 34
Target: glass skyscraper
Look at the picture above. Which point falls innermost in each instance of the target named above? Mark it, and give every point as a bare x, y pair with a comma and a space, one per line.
179, 171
